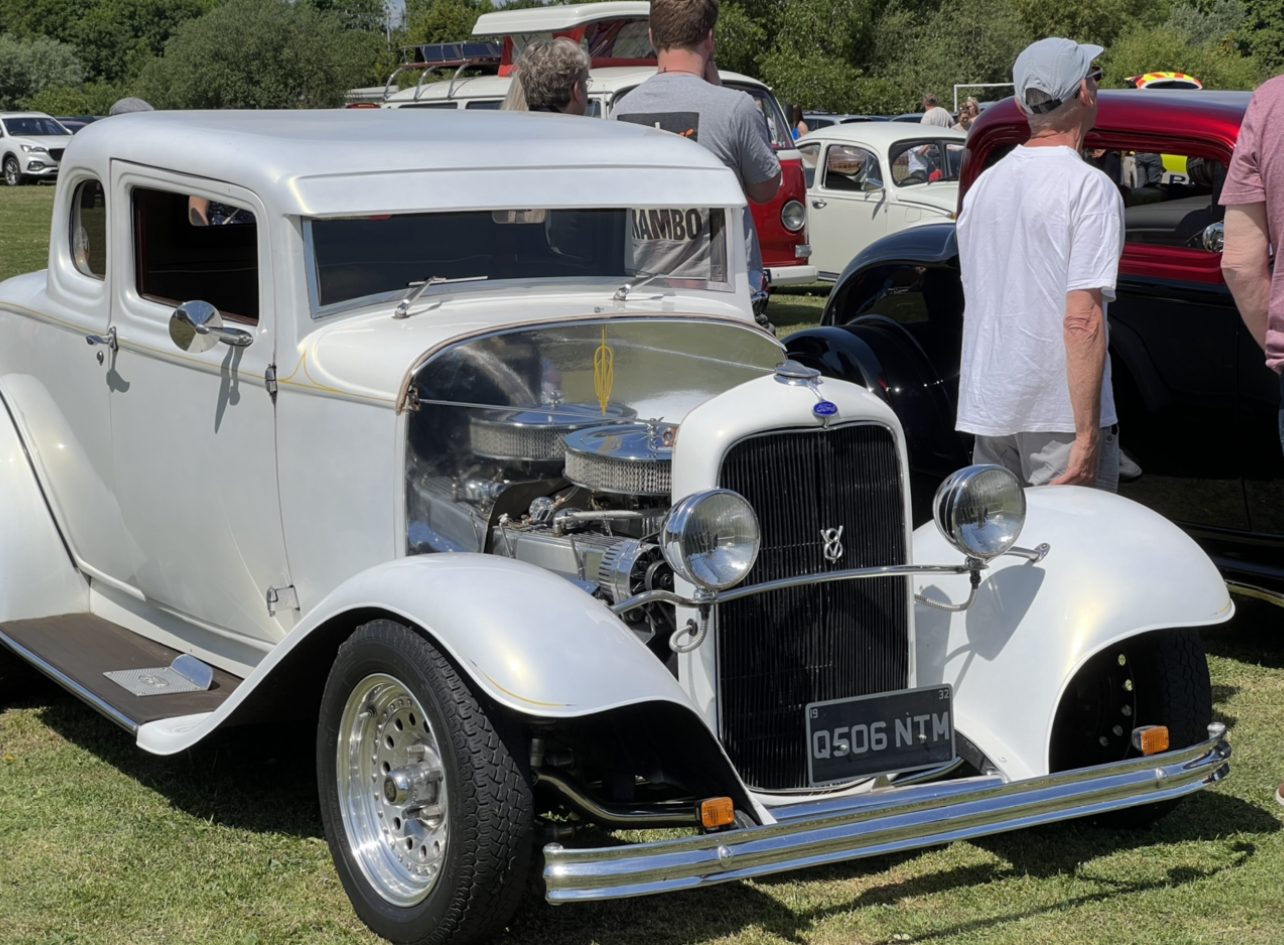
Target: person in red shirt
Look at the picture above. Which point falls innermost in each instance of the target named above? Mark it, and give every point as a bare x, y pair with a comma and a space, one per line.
1254, 199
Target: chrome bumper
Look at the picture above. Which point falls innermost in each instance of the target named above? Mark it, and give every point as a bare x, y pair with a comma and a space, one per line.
882, 821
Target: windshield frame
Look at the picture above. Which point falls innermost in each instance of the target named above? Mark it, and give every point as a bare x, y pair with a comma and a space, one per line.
605, 284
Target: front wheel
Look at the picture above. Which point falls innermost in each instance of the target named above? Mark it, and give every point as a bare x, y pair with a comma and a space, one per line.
1158, 678
427, 814
12, 172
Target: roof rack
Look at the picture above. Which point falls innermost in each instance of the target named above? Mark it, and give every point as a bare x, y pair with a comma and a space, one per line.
431, 56
444, 55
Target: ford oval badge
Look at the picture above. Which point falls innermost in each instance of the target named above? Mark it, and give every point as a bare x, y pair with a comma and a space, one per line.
825, 409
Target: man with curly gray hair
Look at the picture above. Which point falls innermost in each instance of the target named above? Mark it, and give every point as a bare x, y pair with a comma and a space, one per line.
554, 76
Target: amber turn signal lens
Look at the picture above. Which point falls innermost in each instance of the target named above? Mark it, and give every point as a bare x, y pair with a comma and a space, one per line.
717, 812
1150, 739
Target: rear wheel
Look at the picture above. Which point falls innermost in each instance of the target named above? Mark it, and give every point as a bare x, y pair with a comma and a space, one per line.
12, 171
1158, 678
427, 814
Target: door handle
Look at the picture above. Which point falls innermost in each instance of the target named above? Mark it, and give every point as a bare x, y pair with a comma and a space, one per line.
108, 339
819, 203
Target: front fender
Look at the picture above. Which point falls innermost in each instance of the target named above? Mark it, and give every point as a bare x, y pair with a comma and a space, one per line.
1115, 570
529, 640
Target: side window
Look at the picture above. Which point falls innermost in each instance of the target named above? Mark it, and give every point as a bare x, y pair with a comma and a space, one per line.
1169, 199
593, 109
188, 248
488, 104
810, 155
851, 168
89, 229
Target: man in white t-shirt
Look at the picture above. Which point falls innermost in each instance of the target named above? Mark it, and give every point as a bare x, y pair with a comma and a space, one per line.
1040, 236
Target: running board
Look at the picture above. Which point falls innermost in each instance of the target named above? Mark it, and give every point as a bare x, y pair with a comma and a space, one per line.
77, 651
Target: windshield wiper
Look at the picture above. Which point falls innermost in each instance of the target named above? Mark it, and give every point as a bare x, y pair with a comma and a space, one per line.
403, 310
623, 291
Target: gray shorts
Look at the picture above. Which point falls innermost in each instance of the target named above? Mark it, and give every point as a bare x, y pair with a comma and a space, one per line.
1038, 458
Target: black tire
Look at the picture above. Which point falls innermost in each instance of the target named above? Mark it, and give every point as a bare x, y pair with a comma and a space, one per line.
1158, 678
13, 175
489, 804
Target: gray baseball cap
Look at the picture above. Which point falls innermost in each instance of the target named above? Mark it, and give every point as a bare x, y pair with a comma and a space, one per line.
1055, 66
128, 106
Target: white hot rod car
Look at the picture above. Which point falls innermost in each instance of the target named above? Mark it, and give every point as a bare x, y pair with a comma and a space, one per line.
452, 439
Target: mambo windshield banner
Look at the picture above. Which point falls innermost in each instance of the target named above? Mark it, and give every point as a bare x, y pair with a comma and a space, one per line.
675, 225
848, 739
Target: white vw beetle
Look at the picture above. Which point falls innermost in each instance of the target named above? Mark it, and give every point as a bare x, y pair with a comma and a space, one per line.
871, 178
455, 443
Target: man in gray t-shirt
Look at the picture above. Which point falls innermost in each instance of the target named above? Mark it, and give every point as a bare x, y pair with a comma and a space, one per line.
686, 97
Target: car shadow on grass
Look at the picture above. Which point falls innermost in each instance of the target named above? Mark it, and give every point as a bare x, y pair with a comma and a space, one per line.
1255, 635
260, 778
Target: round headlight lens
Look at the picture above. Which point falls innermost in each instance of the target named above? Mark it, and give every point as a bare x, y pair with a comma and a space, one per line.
793, 216
711, 538
980, 510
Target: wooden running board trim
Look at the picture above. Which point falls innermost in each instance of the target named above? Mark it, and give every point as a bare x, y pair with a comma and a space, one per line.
74, 650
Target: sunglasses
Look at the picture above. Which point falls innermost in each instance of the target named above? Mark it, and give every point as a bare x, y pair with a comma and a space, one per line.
1095, 74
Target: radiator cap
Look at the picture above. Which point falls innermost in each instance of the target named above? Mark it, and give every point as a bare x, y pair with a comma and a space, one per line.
791, 372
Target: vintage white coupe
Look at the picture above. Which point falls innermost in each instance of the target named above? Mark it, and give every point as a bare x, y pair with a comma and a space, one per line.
871, 178
454, 445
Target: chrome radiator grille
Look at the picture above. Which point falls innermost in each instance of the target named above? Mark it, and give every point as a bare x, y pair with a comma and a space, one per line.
781, 650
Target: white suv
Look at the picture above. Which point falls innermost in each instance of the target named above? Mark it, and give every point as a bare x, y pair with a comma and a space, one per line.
32, 144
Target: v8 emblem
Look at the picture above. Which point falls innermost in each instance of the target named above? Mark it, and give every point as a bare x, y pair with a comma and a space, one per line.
833, 539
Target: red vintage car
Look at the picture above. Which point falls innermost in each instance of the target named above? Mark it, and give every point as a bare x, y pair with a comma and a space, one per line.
1198, 408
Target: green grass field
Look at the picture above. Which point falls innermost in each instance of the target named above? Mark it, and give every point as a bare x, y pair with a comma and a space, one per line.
100, 843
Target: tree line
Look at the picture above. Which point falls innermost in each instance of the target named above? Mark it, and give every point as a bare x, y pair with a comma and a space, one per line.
72, 57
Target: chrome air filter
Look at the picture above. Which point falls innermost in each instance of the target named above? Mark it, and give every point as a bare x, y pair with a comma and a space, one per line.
628, 458
535, 434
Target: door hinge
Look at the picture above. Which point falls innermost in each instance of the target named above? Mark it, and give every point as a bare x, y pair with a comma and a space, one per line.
281, 598
269, 380
412, 399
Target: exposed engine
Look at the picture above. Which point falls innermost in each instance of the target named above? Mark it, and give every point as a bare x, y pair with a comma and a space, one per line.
574, 489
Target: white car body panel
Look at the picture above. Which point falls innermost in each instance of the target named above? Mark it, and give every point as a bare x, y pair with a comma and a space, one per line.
1115, 569
565, 658
843, 222
37, 575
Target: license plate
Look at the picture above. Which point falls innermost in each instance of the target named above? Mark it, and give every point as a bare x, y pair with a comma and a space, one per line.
865, 736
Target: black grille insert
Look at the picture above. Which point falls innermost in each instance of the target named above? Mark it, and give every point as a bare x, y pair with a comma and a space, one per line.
781, 650
56, 153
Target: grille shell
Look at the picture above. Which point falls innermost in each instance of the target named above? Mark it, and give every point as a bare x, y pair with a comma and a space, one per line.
779, 651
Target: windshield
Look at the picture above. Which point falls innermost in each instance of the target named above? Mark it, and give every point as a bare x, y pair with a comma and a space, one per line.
925, 162
34, 127
365, 260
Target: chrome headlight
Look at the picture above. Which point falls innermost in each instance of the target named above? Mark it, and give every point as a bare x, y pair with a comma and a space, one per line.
34, 149
980, 510
793, 215
711, 538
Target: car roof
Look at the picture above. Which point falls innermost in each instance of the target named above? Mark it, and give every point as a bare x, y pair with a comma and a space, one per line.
551, 18
25, 115
606, 79
1158, 112
881, 134
358, 161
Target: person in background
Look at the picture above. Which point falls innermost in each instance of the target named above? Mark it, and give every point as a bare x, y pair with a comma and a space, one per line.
553, 75
1253, 196
1040, 236
686, 97
126, 106
933, 114
515, 100
799, 126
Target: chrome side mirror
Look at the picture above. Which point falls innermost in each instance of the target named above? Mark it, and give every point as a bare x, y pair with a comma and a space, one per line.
1214, 237
197, 327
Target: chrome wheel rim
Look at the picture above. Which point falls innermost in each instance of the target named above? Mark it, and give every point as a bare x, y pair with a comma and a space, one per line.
392, 790
11, 173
